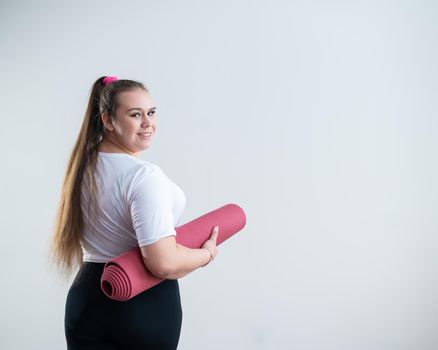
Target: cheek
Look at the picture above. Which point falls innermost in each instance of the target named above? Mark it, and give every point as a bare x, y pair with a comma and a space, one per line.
127, 129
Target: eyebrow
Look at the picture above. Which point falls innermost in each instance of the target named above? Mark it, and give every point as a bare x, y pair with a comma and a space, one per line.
150, 109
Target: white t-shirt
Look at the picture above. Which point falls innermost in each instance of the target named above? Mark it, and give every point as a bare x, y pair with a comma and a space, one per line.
136, 205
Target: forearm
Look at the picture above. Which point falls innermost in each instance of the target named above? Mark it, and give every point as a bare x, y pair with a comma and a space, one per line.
169, 260
186, 260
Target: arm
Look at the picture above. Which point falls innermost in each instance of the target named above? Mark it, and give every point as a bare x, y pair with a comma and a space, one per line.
151, 212
170, 260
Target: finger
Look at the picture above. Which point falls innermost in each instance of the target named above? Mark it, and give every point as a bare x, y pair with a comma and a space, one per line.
215, 234
214, 255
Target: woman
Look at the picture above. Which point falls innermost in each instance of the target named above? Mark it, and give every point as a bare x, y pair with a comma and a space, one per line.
111, 202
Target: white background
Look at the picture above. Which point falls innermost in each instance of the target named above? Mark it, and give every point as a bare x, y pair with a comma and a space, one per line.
319, 118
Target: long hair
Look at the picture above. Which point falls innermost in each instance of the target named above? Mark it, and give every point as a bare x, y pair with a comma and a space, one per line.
66, 248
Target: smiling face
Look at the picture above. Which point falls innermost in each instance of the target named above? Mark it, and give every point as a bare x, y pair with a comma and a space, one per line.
134, 125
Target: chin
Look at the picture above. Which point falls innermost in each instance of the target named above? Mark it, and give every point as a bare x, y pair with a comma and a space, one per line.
145, 147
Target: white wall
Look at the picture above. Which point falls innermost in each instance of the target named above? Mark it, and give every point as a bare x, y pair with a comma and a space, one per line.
319, 118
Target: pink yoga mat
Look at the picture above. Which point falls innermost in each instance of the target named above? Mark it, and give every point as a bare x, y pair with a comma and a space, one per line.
126, 275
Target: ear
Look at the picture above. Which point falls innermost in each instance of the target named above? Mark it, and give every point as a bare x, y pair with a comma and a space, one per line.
107, 123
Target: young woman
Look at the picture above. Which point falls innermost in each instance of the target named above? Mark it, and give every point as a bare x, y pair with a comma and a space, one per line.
112, 201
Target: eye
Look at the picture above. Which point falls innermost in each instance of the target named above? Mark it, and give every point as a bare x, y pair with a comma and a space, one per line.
137, 114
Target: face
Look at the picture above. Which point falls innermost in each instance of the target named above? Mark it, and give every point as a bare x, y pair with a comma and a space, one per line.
134, 124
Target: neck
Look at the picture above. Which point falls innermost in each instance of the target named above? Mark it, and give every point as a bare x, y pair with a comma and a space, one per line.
110, 146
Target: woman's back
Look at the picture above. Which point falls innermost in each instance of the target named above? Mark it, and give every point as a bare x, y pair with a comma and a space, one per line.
136, 204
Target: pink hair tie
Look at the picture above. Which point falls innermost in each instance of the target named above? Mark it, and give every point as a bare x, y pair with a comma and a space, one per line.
109, 79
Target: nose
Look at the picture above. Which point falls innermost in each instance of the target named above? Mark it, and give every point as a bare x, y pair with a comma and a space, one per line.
146, 120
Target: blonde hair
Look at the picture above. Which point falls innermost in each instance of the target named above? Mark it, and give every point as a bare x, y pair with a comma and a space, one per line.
66, 249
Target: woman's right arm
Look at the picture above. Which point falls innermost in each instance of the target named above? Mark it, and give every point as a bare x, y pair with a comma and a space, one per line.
169, 260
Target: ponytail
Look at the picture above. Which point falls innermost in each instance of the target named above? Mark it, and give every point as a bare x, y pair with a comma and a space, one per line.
66, 248
67, 236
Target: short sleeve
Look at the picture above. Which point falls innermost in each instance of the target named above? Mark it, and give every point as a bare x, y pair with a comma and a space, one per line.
150, 205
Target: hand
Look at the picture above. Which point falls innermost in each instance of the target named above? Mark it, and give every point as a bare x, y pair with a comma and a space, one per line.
211, 243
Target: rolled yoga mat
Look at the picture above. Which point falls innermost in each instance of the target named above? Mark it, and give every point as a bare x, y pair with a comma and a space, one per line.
126, 275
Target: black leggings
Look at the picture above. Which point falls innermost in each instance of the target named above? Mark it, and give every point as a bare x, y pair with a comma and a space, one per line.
151, 320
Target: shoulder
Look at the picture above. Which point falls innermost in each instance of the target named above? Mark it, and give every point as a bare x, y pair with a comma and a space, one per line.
144, 169
124, 166
145, 176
